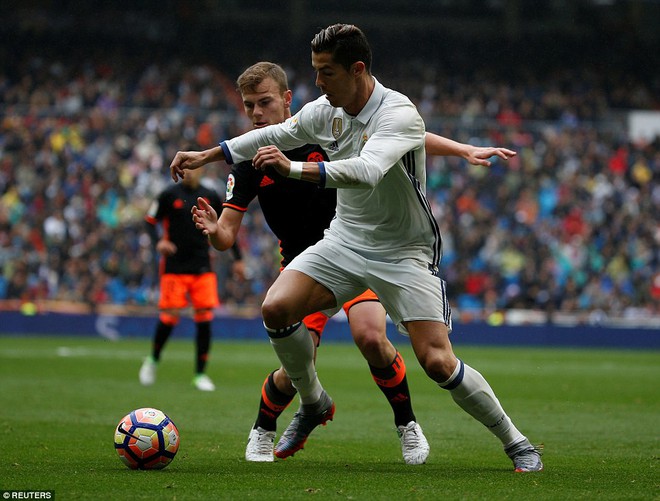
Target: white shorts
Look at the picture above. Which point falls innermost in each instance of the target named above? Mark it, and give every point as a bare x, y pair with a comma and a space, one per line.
408, 289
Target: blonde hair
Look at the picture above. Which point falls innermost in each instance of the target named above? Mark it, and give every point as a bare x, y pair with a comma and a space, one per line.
249, 80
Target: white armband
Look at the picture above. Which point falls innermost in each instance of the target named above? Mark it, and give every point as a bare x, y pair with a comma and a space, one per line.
295, 172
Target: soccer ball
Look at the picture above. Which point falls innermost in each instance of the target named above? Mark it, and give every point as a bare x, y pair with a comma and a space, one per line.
146, 439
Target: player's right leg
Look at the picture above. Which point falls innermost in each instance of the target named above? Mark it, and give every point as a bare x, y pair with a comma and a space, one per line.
277, 392
293, 296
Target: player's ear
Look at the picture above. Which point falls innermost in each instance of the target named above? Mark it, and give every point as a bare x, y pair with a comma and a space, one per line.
357, 68
288, 97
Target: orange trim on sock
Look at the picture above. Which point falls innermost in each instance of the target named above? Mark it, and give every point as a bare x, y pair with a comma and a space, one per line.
269, 403
399, 367
203, 316
169, 319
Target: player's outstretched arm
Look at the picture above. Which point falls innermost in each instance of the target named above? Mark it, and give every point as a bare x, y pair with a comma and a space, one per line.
193, 160
475, 155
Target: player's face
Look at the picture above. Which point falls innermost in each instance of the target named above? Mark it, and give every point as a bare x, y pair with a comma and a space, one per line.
267, 105
338, 85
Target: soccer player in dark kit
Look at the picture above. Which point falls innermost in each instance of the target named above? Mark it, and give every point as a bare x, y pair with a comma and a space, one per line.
186, 276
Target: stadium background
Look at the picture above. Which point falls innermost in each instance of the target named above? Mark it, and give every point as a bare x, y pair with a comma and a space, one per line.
96, 97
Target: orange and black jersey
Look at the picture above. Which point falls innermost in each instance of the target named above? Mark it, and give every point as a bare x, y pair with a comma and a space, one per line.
172, 209
296, 211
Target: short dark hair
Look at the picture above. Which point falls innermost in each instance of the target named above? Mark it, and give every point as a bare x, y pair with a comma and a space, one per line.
257, 73
346, 43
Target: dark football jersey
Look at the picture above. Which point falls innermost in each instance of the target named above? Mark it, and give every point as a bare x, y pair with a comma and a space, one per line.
172, 209
298, 212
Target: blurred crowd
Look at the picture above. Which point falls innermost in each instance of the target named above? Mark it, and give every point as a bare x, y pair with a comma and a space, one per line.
572, 223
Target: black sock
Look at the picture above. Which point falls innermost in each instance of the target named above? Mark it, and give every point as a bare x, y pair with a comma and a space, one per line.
203, 345
393, 382
161, 336
272, 404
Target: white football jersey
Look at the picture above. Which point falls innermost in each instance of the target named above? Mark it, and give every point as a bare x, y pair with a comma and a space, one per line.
377, 162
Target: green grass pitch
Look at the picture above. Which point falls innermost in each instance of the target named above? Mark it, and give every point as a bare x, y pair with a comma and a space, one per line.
597, 412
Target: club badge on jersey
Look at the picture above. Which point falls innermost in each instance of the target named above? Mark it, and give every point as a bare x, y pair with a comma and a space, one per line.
337, 127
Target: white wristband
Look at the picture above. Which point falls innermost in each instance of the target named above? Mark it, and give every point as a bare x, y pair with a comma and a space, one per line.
296, 169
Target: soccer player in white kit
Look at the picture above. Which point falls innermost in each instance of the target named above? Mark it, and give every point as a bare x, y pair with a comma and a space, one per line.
384, 236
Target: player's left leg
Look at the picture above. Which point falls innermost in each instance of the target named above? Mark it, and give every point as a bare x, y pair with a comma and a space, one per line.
171, 300
203, 290
470, 391
416, 300
167, 320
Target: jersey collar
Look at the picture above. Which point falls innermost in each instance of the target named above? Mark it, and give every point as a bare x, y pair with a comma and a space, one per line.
372, 104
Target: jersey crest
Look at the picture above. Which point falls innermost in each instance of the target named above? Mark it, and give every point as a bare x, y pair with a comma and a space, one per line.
337, 127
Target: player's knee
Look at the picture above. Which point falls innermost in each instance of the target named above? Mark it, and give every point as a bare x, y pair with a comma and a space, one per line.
439, 365
275, 313
373, 343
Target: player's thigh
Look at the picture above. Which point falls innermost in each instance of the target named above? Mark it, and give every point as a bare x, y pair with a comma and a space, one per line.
293, 296
203, 290
367, 318
432, 347
173, 292
337, 269
409, 291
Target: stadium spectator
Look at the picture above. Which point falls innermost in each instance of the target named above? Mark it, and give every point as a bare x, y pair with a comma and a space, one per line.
52, 147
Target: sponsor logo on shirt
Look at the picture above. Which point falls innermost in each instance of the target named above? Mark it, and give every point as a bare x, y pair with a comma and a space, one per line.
315, 156
265, 181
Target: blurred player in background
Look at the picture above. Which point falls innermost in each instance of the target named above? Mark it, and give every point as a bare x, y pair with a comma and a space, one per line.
186, 276
384, 236
298, 213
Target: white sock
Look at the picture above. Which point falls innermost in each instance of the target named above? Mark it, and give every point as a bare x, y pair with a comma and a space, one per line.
474, 395
295, 349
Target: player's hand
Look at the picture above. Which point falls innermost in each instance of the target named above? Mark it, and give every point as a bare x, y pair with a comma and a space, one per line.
271, 155
166, 247
185, 160
479, 155
205, 217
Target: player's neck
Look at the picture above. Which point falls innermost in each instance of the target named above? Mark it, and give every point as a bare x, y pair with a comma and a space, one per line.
365, 89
